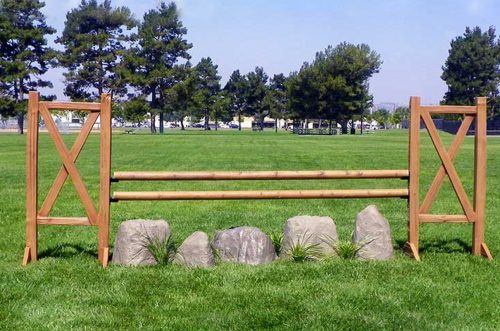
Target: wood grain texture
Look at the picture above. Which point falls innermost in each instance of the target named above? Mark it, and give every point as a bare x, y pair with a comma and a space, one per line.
441, 174
105, 173
62, 175
479, 177
449, 167
258, 175
413, 183
31, 251
69, 165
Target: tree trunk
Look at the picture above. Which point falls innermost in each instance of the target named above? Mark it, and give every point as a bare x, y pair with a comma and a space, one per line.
207, 118
362, 123
276, 125
216, 123
343, 125
162, 128
20, 123
153, 124
182, 124
239, 120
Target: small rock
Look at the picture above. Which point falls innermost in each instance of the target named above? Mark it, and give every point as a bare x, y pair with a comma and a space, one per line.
244, 245
133, 239
320, 231
373, 234
195, 251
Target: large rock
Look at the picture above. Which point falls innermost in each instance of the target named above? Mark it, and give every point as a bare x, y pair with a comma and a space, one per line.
195, 251
317, 231
133, 239
373, 234
244, 245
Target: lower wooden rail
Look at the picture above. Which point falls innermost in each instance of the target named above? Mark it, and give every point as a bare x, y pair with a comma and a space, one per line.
240, 195
258, 175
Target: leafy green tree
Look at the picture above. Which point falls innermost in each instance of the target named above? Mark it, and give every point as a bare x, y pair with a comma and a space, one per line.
276, 98
206, 87
237, 90
382, 116
472, 68
303, 94
221, 111
94, 41
400, 114
152, 66
134, 110
180, 96
257, 90
24, 54
343, 73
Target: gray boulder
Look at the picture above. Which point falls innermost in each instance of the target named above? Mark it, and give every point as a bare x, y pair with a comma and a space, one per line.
133, 239
373, 234
244, 245
195, 251
317, 231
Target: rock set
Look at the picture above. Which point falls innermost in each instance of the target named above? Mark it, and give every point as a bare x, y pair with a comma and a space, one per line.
371, 237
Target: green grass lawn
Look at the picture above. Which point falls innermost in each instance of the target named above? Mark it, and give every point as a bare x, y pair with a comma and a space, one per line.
67, 289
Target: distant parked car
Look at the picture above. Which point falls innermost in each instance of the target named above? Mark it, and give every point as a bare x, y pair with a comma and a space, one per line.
197, 125
233, 126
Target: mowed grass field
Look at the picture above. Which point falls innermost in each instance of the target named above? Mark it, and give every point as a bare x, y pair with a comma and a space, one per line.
67, 289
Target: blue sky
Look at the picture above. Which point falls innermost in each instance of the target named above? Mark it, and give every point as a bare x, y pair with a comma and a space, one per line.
412, 36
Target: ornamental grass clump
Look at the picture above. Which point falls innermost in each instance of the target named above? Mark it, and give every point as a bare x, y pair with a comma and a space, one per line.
277, 239
163, 250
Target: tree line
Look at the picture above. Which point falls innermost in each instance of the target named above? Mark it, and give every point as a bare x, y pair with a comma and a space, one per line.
146, 65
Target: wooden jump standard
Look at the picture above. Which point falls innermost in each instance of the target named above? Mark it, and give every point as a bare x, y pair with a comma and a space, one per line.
418, 212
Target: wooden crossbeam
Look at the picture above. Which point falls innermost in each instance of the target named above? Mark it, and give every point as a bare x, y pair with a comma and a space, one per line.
69, 165
63, 173
449, 167
441, 174
82, 106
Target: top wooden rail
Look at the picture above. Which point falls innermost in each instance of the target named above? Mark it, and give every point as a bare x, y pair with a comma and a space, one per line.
257, 175
470, 110
83, 106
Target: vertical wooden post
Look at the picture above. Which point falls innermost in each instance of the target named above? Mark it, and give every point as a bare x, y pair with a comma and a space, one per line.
30, 252
478, 245
414, 168
105, 173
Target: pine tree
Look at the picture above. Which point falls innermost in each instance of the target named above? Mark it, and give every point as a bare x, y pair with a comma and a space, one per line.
153, 64
206, 86
472, 69
24, 54
94, 41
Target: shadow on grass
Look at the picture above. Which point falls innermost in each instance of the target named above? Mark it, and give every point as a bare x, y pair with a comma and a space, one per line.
440, 246
66, 250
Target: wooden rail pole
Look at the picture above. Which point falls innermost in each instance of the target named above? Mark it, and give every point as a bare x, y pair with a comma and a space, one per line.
414, 167
105, 173
239, 195
258, 175
478, 245
31, 250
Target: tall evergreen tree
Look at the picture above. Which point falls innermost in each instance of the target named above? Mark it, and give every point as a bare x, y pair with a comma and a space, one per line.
472, 69
180, 96
276, 98
24, 54
152, 64
257, 90
237, 90
343, 73
94, 40
207, 86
